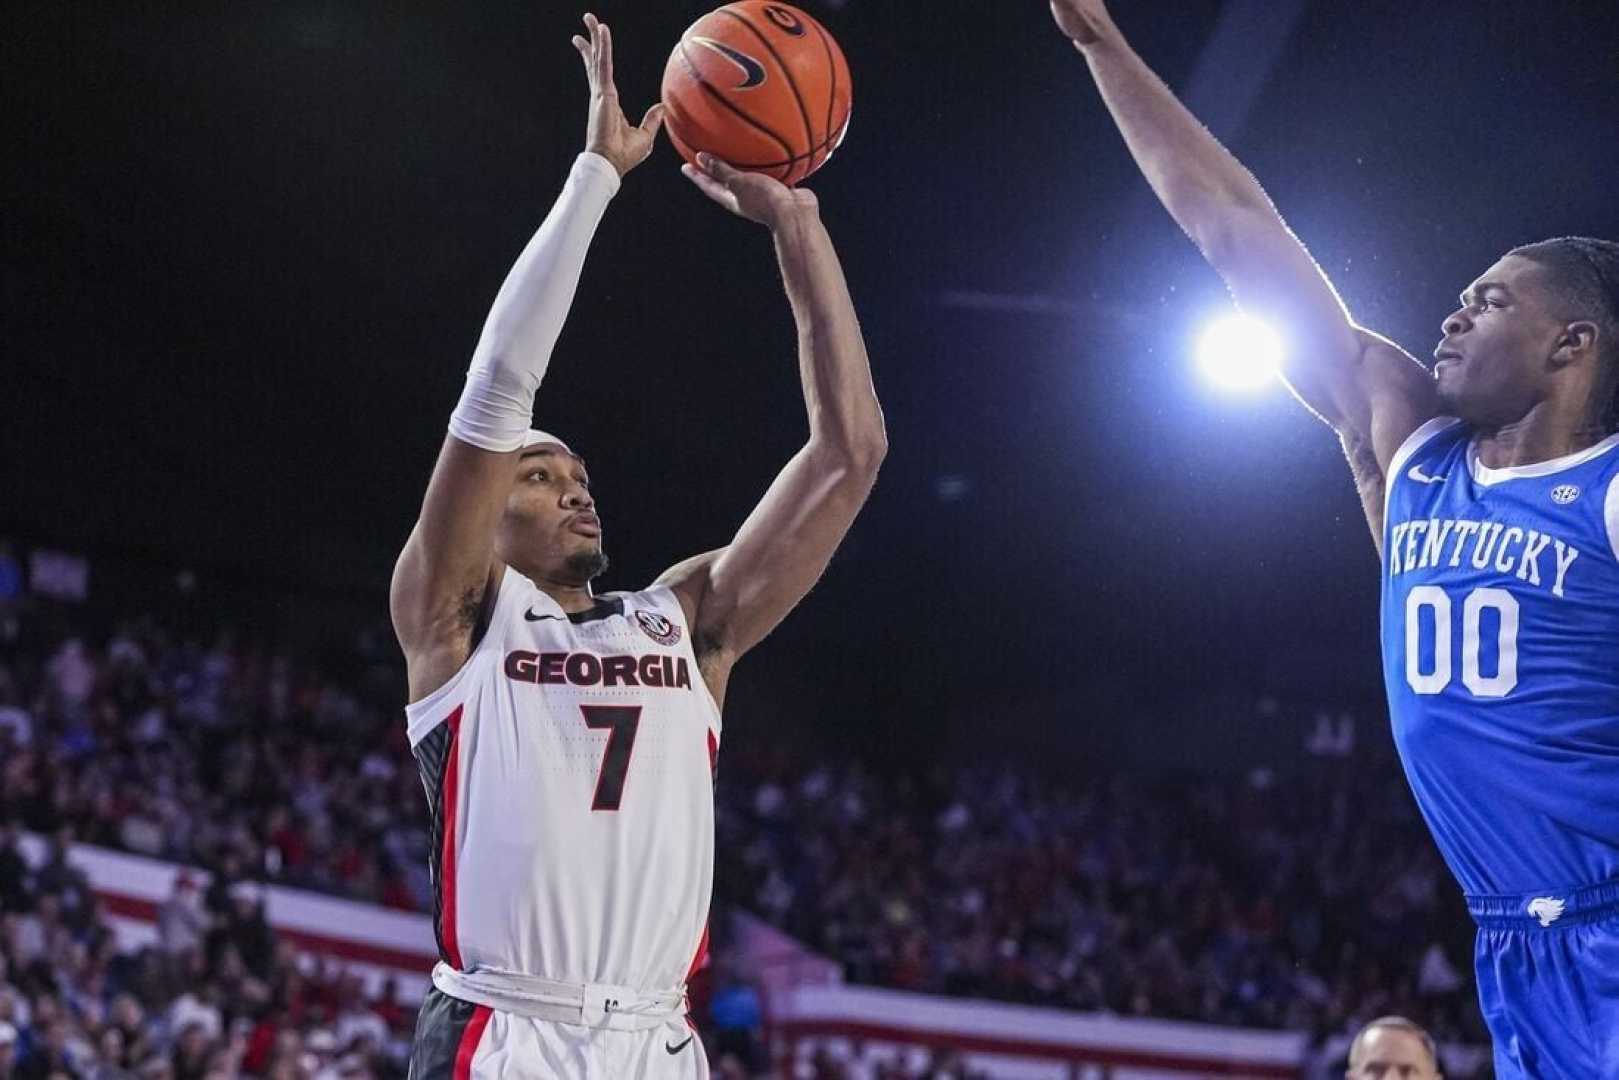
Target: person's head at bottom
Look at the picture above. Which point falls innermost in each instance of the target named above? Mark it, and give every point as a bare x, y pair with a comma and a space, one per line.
1393, 1048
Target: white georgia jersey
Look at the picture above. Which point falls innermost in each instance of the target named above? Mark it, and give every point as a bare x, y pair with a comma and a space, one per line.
569, 771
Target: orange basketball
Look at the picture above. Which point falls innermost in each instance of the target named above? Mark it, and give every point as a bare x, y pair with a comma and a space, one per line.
760, 85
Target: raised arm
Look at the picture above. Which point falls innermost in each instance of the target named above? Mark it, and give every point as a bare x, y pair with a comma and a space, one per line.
736, 595
442, 581
1371, 392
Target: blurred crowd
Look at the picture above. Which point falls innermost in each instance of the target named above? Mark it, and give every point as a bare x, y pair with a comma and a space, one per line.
216, 754
215, 996
1308, 901
1311, 903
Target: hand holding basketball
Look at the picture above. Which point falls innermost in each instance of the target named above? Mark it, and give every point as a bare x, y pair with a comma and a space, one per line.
609, 134
751, 195
1084, 21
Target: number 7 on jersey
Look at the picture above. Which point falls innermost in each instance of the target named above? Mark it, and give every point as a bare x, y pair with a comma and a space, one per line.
622, 721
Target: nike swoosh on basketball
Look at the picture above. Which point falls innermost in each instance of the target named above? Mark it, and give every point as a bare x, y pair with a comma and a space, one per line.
682, 1046
753, 72
531, 617
1421, 477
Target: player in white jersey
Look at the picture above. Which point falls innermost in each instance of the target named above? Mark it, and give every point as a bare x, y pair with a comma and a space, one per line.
567, 740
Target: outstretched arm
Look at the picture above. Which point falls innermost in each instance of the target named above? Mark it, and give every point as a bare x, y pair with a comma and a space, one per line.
441, 582
1371, 392
735, 596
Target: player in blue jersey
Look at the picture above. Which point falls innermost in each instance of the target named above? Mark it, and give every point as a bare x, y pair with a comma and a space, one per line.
1490, 487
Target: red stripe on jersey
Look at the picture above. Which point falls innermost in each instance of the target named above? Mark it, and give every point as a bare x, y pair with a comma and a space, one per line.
449, 803
701, 959
469, 1042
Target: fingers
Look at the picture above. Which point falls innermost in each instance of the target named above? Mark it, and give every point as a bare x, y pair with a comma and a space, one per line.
653, 120
605, 57
717, 169
597, 51
708, 185
601, 52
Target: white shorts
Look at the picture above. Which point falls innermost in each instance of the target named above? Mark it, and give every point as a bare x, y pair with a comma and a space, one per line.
457, 1040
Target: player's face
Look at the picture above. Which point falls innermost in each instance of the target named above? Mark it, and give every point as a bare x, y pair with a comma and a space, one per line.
550, 523
1392, 1054
1494, 361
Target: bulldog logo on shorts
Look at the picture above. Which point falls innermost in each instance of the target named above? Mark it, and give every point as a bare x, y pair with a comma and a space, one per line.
657, 627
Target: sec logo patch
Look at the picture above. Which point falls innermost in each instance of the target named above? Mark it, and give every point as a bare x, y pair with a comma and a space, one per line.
658, 628
1564, 494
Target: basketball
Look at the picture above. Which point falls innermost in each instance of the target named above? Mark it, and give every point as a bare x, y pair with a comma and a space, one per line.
761, 86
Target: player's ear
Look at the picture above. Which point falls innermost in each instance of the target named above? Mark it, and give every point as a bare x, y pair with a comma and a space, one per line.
1577, 341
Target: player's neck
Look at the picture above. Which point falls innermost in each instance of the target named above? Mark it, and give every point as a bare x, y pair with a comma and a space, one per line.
1546, 433
571, 597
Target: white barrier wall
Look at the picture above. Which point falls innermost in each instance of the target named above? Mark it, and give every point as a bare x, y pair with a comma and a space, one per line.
864, 1025
808, 1006
374, 942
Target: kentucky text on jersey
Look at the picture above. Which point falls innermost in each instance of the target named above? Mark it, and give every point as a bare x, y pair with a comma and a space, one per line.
588, 669
1522, 553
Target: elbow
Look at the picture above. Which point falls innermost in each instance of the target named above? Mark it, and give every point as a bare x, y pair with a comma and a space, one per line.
1217, 243
1221, 242
866, 451
869, 452
856, 456
1224, 227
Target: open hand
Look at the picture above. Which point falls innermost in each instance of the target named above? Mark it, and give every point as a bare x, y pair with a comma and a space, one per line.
1084, 21
609, 134
751, 195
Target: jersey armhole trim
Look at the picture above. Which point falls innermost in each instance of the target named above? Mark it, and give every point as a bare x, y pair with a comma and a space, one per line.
666, 595
1610, 514
423, 716
1408, 449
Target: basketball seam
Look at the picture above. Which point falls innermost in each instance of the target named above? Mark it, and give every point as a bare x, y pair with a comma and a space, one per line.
792, 83
795, 159
719, 97
765, 166
832, 91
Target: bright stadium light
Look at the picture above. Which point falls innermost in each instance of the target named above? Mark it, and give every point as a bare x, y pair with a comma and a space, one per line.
1239, 353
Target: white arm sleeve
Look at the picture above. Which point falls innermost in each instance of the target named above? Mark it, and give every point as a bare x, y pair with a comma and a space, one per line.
523, 325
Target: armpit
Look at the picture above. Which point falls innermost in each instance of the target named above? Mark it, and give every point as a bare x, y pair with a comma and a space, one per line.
1369, 481
468, 607
1362, 461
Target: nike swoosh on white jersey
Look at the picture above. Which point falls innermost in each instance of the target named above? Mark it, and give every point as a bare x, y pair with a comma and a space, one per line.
1421, 477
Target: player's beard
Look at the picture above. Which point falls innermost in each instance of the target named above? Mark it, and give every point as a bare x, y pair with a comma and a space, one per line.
585, 566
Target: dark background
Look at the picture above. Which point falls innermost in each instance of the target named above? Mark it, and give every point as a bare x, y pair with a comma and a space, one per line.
248, 249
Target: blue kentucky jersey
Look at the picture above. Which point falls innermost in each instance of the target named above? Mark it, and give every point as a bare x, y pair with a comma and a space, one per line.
1501, 658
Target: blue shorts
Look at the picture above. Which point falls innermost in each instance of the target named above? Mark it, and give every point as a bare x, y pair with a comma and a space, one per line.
1548, 981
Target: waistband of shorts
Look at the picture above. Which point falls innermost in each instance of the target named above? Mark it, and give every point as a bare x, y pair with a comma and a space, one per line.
1544, 910
595, 1005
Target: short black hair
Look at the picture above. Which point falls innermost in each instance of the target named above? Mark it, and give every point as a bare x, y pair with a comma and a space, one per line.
1585, 271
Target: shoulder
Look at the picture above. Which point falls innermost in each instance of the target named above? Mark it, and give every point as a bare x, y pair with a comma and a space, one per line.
1396, 387
688, 580
1378, 350
1392, 395
437, 652
1437, 434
